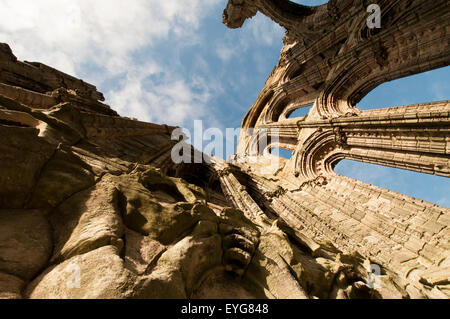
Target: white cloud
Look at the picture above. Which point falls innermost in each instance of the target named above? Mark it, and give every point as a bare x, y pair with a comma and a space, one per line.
264, 30
225, 52
79, 36
171, 99
259, 31
103, 31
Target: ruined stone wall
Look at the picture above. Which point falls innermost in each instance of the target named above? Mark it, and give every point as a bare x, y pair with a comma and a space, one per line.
332, 59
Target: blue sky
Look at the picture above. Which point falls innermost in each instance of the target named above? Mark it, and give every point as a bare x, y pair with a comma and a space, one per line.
173, 61
420, 88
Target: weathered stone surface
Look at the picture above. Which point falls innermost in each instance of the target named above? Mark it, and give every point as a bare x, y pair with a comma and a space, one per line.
158, 209
6, 53
436, 277
271, 272
102, 275
183, 267
63, 175
388, 289
164, 282
240, 240
25, 242
141, 252
88, 220
22, 156
155, 181
10, 286
224, 286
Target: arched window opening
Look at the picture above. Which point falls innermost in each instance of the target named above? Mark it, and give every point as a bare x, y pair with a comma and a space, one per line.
431, 188
258, 110
278, 109
297, 72
300, 112
317, 86
420, 88
281, 152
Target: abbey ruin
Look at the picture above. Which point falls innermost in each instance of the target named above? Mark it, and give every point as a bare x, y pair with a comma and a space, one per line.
92, 206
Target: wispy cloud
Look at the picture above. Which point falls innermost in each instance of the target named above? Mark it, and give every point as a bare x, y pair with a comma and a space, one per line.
164, 98
101, 31
444, 202
264, 30
259, 32
97, 40
225, 52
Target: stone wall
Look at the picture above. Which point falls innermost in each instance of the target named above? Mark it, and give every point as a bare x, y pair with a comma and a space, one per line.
331, 59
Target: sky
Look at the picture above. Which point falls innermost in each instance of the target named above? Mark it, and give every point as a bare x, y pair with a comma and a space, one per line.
174, 62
